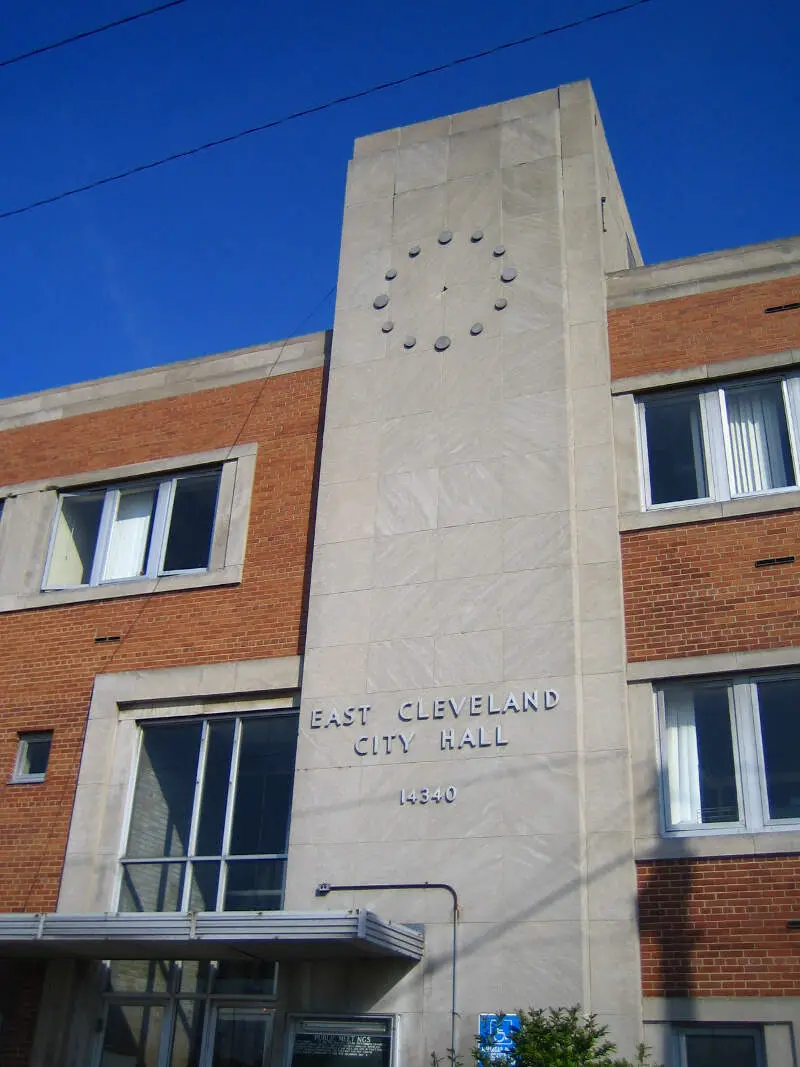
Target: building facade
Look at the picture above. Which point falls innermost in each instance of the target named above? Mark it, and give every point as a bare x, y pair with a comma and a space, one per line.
355, 688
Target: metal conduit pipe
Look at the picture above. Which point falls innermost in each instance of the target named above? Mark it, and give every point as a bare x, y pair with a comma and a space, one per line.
324, 888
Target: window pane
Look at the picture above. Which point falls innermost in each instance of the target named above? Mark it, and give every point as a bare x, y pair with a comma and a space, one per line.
75, 540
264, 786
760, 452
721, 1050
34, 754
245, 977
188, 1035
152, 887
165, 786
240, 1037
133, 1035
675, 449
215, 789
192, 522
254, 885
195, 976
699, 754
130, 535
205, 879
780, 737
139, 976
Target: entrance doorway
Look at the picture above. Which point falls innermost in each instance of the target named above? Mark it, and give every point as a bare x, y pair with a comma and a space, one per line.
187, 1015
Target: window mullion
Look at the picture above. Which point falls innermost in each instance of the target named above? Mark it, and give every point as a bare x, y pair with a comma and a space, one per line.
158, 541
644, 467
760, 790
789, 389
128, 815
193, 826
167, 1032
110, 505
226, 836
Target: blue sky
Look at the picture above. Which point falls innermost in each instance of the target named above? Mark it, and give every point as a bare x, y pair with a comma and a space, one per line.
239, 245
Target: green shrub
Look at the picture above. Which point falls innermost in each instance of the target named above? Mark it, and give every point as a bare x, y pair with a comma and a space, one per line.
560, 1037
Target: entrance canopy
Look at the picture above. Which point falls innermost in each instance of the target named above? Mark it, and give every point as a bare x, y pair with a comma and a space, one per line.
277, 935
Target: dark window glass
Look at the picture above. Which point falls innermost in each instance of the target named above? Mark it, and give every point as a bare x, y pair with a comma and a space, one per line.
242, 977
152, 887
205, 879
164, 794
264, 786
254, 885
133, 1035
34, 755
718, 799
139, 976
192, 522
675, 449
215, 789
779, 711
188, 1033
721, 1050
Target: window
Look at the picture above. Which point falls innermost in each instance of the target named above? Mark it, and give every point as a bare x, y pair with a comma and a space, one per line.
730, 754
138, 529
710, 1047
162, 1012
719, 443
209, 823
33, 754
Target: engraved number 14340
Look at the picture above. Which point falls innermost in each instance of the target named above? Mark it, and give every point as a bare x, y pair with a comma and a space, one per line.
428, 796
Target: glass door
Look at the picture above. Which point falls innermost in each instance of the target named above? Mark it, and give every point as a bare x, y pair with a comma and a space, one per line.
240, 1036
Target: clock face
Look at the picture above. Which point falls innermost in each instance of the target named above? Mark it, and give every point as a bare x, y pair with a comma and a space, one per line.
499, 274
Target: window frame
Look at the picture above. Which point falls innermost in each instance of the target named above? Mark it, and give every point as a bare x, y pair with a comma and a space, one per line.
682, 1032
225, 858
169, 1000
748, 756
715, 435
160, 526
20, 777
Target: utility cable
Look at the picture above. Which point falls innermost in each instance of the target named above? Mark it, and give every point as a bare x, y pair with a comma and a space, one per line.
89, 33
317, 108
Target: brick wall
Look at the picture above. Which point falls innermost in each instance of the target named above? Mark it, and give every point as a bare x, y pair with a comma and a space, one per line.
705, 328
49, 655
714, 928
20, 990
695, 589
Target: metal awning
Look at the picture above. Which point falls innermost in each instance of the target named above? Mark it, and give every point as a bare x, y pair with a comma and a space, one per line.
275, 935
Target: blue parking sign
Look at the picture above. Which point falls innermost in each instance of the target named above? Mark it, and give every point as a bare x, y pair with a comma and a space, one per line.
496, 1036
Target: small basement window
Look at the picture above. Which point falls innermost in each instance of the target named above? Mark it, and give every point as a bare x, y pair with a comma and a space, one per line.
138, 529
33, 754
711, 1046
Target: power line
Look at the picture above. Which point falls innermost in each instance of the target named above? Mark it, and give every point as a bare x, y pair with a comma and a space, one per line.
317, 108
89, 33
